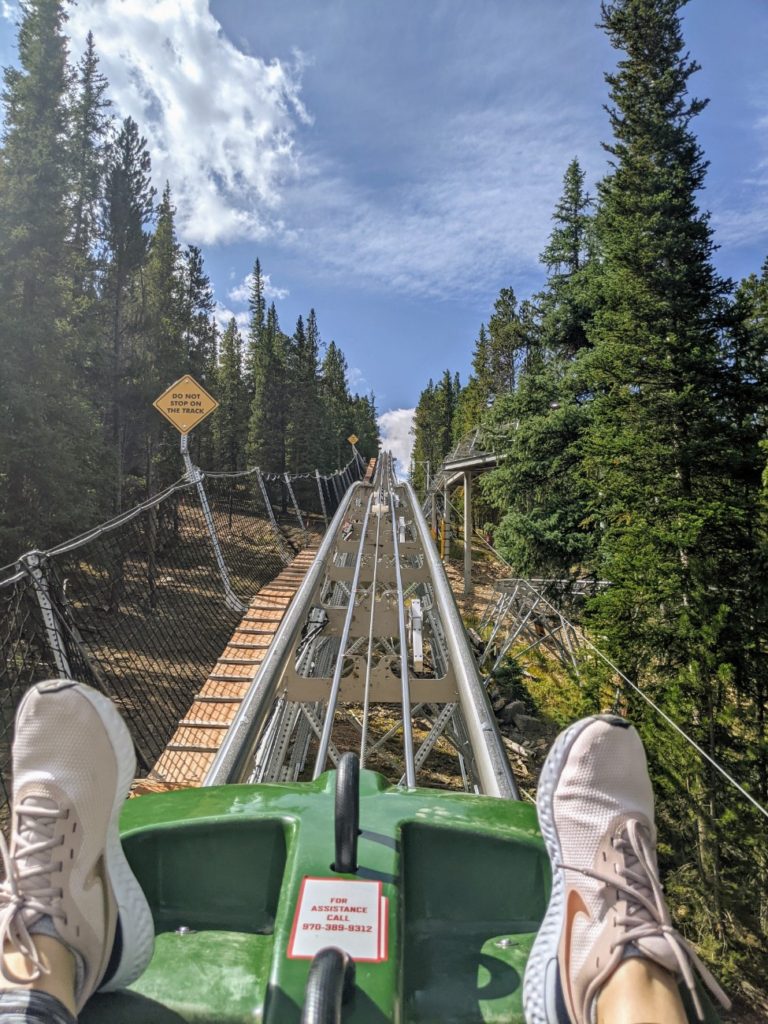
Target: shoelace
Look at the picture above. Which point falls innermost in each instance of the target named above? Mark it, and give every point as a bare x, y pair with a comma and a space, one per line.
648, 916
27, 884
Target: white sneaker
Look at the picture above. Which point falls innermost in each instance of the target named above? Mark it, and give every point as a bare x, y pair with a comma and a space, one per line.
66, 874
595, 806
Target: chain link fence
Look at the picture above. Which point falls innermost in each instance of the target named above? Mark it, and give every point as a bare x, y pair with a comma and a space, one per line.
142, 606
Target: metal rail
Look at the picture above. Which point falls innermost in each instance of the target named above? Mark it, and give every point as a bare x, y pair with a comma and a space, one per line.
410, 767
493, 768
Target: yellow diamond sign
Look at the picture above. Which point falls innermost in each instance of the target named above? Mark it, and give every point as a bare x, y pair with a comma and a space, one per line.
185, 404
353, 438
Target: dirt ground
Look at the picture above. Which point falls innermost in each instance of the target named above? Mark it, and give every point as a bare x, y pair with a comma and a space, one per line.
485, 571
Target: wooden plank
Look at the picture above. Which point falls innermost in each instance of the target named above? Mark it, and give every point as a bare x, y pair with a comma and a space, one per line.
192, 748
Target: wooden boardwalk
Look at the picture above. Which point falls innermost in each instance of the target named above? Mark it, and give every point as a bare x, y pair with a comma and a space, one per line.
192, 748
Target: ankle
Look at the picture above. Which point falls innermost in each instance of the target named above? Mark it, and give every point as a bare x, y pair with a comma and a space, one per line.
58, 977
640, 992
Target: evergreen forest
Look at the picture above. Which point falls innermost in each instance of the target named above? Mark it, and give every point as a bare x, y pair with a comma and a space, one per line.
627, 401
102, 308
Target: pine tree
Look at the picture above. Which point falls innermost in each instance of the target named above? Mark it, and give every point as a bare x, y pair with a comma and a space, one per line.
365, 426
295, 399
48, 458
537, 491
306, 414
199, 336
505, 345
228, 422
422, 429
198, 306
87, 151
447, 398
89, 148
474, 400
127, 208
268, 421
748, 359
429, 423
257, 306
166, 356
336, 402
660, 442
568, 248
570, 297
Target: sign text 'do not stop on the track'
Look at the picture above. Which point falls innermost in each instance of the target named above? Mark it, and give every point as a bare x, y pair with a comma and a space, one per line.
185, 404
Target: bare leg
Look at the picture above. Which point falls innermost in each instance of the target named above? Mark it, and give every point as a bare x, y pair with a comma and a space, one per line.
640, 992
59, 962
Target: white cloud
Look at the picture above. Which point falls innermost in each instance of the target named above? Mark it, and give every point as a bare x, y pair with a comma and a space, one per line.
747, 222
357, 380
222, 315
10, 11
220, 124
476, 207
396, 437
743, 227
242, 291
469, 201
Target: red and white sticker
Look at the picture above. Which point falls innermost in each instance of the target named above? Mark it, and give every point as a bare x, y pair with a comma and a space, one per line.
346, 913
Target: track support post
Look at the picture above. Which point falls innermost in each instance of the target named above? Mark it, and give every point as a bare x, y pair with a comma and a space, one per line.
467, 533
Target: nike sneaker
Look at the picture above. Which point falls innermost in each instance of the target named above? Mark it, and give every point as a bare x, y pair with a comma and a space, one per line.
596, 813
65, 872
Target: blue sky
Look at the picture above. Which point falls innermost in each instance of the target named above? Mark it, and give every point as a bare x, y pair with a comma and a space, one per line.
394, 163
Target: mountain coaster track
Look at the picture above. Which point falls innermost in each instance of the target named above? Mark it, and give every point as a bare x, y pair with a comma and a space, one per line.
373, 624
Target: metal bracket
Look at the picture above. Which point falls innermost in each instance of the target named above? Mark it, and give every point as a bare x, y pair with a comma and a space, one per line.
287, 555
33, 564
322, 497
296, 506
415, 627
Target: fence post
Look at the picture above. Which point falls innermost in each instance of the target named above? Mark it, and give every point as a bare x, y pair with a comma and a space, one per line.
196, 477
287, 554
33, 564
322, 496
296, 507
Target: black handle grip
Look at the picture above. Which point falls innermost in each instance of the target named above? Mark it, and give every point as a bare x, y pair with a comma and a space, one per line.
330, 983
347, 813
